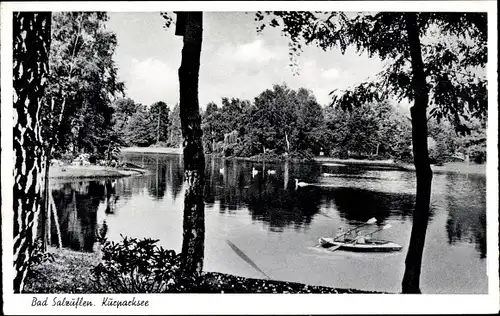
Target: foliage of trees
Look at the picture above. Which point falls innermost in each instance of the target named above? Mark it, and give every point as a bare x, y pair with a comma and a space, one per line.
141, 128
82, 84
160, 113
139, 125
450, 146
174, 129
373, 130
124, 109
369, 130
282, 119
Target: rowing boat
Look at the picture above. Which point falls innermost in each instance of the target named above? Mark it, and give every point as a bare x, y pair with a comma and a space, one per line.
370, 245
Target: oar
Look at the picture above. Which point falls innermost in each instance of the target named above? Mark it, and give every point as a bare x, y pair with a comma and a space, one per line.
387, 226
324, 214
242, 255
372, 220
332, 249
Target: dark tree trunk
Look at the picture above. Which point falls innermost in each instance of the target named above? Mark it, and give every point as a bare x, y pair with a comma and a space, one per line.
411, 279
31, 46
194, 159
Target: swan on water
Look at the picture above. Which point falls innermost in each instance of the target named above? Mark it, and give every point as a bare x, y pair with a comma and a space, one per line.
254, 172
300, 184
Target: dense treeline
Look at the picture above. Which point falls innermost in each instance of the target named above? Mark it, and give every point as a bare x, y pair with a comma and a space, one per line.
140, 125
283, 122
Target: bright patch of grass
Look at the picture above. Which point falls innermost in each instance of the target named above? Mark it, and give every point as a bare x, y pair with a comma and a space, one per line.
70, 272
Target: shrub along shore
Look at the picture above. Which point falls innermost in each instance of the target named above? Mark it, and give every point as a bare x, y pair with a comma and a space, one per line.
70, 273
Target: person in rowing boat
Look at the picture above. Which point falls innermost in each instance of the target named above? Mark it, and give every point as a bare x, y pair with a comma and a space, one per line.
361, 238
340, 233
349, 236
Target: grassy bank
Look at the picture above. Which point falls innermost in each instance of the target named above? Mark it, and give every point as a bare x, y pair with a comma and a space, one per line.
457, 167
151, 150
388, 163
70, 272
91, 172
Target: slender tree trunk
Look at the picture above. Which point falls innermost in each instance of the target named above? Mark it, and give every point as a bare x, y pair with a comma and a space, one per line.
287, 143
51, 142
157, 173
286, 176
158, 129
56, 220
411, 279
45, 210
31, 46
194, 159
49, 228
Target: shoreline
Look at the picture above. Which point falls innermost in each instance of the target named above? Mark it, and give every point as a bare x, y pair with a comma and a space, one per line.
389, 164
70, 272
456, 167
70, 172
152, 150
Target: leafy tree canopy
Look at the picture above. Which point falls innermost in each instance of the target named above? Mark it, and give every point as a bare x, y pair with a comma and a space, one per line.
83, 82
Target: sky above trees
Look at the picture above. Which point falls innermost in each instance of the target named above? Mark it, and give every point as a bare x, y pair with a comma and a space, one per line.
235, 60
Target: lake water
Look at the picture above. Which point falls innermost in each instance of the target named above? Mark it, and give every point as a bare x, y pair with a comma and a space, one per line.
277, 226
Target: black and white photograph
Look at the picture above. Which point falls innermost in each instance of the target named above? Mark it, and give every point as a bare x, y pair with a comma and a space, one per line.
215, 152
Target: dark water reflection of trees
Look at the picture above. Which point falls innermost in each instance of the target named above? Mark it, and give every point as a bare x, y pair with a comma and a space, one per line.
76, 205
356, 204
467, 210
271, 198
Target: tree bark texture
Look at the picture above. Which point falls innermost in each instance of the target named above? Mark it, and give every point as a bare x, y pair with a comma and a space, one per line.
413, 264
31, 46
194, 159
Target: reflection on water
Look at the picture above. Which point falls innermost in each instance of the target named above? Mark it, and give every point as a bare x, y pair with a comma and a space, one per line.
466, 223
278, 224
77, 205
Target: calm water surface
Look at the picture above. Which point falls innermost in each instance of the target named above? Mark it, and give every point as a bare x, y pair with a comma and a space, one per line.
278, 226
